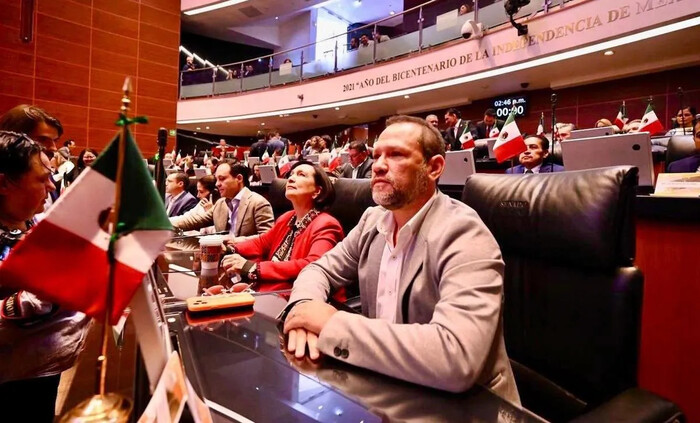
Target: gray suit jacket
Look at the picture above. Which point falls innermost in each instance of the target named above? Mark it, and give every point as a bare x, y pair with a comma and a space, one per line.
254, 216
451, 290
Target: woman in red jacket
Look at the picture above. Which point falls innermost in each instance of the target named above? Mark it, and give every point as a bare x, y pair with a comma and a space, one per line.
273, 260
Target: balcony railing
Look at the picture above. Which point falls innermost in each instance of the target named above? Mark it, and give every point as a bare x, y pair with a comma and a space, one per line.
422, 27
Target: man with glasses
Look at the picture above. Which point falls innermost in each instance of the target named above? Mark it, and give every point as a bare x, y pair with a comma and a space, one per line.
360, 166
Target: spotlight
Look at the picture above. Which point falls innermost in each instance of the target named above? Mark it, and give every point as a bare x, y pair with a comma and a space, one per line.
512, 7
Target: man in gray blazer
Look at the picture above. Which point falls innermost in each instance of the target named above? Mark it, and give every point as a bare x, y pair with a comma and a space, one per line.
430, 275
239, 211
360, 166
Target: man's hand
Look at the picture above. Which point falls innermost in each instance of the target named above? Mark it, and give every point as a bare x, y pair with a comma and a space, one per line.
299, 339
233, 263
309, 315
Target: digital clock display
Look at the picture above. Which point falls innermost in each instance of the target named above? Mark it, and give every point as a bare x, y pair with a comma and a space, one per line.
503, 106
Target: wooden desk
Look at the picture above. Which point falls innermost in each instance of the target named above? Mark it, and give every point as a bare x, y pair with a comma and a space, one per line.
668, 232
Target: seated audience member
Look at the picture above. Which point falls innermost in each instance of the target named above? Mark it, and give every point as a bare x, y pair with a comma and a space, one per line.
36, 123
38, 340
379, 38
232, 73
65, 151
683, 122
207, 195
532, 159
189, 64
255, 178
297, 238
85, 159
486, 126
249, 70
464, 9
433, 121
211, 165
365, 42
63, 167
177, 199
324, 162
354, 44
360, 166
564, 130
431, 311
604, 123
692, 163
632, 126
240, 211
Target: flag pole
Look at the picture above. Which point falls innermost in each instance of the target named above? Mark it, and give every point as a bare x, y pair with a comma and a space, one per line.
680, 101
111, 407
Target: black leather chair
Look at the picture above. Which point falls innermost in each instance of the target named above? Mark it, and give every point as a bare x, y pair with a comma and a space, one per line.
679, 147
573, 298
352, 198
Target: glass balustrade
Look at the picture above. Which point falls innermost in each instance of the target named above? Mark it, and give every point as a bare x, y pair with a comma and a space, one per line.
428, 25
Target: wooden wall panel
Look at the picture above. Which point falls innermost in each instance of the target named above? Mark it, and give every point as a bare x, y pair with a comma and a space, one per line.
81, 53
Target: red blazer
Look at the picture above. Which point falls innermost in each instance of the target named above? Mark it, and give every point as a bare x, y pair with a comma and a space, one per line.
322, 234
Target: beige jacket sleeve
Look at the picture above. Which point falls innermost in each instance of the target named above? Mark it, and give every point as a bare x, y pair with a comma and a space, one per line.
197, 220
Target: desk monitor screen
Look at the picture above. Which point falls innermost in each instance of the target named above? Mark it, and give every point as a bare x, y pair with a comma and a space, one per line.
344, 157
313, 158
591, 132
167, 163
252, 161
490, 142
171, 171
458, 166
632, 149
200, 172
267, 173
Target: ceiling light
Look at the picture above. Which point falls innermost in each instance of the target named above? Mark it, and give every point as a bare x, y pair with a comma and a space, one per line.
609, 53
358, 3
207, 127
277, 18
198, 128
337, 108
392, 13
407, 96
211, 7
228, 121
194, 133
262, 124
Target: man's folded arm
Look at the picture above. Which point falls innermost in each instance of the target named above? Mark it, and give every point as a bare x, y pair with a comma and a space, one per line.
447, 353
191, 221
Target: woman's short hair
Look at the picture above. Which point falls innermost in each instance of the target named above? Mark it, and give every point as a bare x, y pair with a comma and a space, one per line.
321, 179
16, 152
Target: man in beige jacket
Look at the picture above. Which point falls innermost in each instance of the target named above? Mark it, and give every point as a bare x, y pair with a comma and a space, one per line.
430, 275
239, 211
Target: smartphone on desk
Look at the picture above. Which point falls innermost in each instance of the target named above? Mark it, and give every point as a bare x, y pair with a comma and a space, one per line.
220, 302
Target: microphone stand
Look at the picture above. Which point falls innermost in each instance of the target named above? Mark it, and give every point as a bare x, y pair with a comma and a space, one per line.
680, 100
160, 170
553, 99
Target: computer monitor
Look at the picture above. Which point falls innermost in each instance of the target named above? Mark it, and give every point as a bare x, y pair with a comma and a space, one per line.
458, 166
267, 173
252, 161
632, 149
200, 172
313, 158
171, 171
344, 157
591, 132
167, 162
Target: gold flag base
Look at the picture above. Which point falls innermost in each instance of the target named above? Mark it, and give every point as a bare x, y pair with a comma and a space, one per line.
112, 408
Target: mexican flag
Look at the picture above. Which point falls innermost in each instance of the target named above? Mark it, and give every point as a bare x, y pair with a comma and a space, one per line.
510, 142
64, 259
621, 118
540, 127
650, 123
494, 132
284, 164
467, 139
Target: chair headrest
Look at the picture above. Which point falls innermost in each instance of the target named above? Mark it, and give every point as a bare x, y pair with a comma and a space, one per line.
679, 147
582, 218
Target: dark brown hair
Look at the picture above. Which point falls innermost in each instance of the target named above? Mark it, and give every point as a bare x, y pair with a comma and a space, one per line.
430, 139
24, 118
16, 152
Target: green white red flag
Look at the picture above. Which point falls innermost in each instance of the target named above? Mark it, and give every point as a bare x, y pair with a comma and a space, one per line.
64, 259
650, 122
621, 118
510, 142
467, 139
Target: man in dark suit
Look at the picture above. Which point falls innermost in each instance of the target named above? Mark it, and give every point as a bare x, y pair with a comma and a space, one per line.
532, 159
484, 127
456, 127
177, 199
691, 163
360, 166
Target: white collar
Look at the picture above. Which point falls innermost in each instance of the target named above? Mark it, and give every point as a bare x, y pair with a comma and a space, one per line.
387, 224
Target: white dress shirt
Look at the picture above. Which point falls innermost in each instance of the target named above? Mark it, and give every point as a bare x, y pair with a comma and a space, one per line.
171, 201
393, 258
535, 169
356, 169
